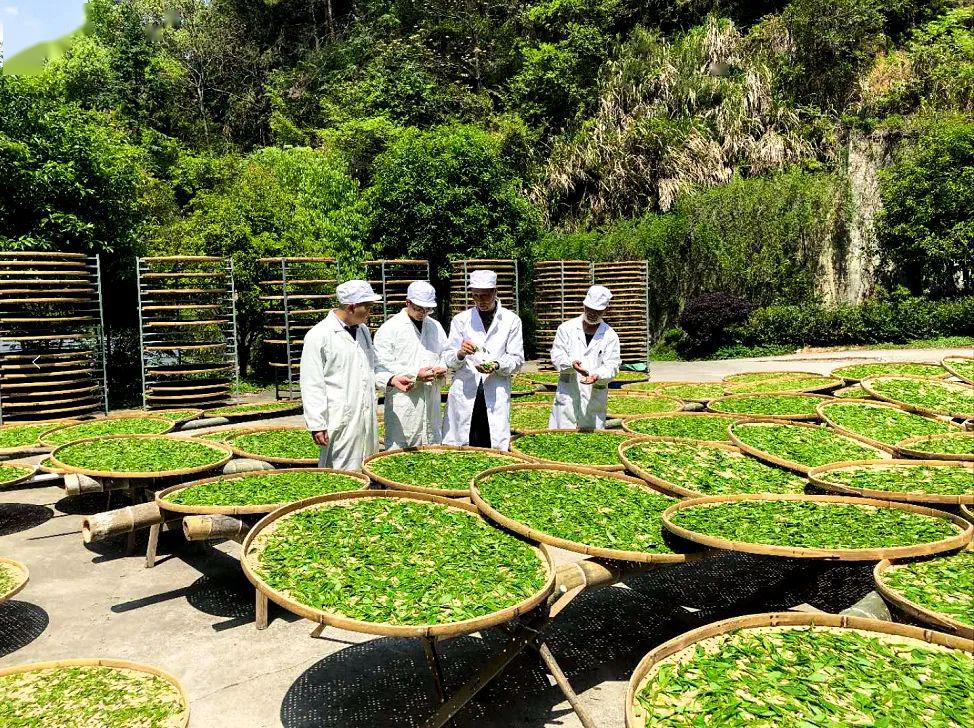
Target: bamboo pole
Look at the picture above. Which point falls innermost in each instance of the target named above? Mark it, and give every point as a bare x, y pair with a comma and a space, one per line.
124, 520
213, 528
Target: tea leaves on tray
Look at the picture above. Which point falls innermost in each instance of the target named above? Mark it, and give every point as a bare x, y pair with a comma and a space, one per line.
139, 454
529, 417
264, 488
689, 425
622, 405
805, 446
709, 470
810, 677
447, 470
397, 561
853, 392
577, 448
881, 423
783, 384
948, 398
768, 405
286, 443
254, 408
954, 443
693, 392
909, 369
178, 415
10, 473
907, 478
944, 585
593, 510
813, 524
108, 426
537, 398
222, 435
89, 695
964, 367
765, 376
25, 436
9, 577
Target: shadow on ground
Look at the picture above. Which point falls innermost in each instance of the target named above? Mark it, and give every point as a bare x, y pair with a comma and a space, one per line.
17, 517
20, 624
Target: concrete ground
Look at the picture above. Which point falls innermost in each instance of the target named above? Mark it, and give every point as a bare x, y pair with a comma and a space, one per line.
193, 616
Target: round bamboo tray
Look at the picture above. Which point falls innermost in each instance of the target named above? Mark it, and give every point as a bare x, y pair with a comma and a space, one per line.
604, 468
239, 452
443, 492
870, 403
924, 614
335, 619
948, 363
742, 377
37, 443
249, 510
224, 450
182, 719
869, 383
787, 387
17, 481
951, 543
792, 418
837, 372
574, 546
636, 716
628, 421
280, 411
48, 443
967, 512
662, 386
675, 404
903, 449
781, 462
194, 414
818, 477
21, 578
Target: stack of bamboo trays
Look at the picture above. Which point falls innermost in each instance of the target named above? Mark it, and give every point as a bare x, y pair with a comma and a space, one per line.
390, 279
628, 313
52, 340
559, 289
297, 293
508, 285
188, 330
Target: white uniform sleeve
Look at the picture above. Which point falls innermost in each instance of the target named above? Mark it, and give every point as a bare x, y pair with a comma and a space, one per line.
513, 358
561, 357
385, 343
449, 355
314, 398
611, 357
379, 369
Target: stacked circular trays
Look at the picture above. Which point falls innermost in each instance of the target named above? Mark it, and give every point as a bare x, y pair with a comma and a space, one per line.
629, 283
390, 279
508, 288
297, 293
559, 289
51, 336
188, 331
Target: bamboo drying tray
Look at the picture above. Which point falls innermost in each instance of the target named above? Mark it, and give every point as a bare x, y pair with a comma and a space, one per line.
23, 478
948, 363
450, 629
23, 576
268, 458
195, 415
107, 662
49, 443
574, 546
603, 468
444, 492
967, 512
903, 449
771, 374
249, 510
36, 445
868, 385
627, 424
674, 402
924, 614
793, 418
224, 450
880, 405
781, 462
951, 543
817, 476
787, 383
273, 409
837, 372
527, 405
636, 717
661, 386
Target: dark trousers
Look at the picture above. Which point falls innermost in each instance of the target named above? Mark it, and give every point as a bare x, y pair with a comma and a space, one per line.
479, 424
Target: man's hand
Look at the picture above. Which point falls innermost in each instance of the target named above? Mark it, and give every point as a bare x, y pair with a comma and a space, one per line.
426, 374
590, 379
320, 437
577, 366
467, 347
402, 383
439, 371
487, 367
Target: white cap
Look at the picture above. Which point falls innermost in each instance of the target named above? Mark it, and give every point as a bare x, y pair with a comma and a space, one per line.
598, 298
421, 293
483, 279
352, 292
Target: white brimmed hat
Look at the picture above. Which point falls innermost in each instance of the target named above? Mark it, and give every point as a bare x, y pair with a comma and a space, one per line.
483, 279
353, 292
422, 294
597, 298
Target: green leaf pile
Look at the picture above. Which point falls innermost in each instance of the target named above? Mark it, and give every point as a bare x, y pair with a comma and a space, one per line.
9, 577
883, 424
768, 405
255, 408
14, 436
264, 488
593, 510
222, 435
517, 385
544, 377
806, 446
89, 695
906, 369
139, 454
447, 470
622, 405
854, 392
689, 425
529, 416
397, 561
624, 375
944, 585
813, 524
577, 448
810, 677
709, 470
537, 398
10, 473
743, 377
108, 426
954, 443
784, 384
948, 398
907, 478
701, 392
288, 443
176, 415
962, 367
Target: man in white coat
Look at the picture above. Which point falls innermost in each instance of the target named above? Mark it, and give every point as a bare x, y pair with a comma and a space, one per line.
340, 374
484, 351
586, 354
410, 344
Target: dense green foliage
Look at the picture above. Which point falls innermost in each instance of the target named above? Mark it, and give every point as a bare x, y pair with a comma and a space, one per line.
123, 454
902, 478
944, 585
432, 469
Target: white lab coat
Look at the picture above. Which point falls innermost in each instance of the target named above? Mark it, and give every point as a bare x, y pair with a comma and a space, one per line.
339, 379
577, 405
411, 418
503, 343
